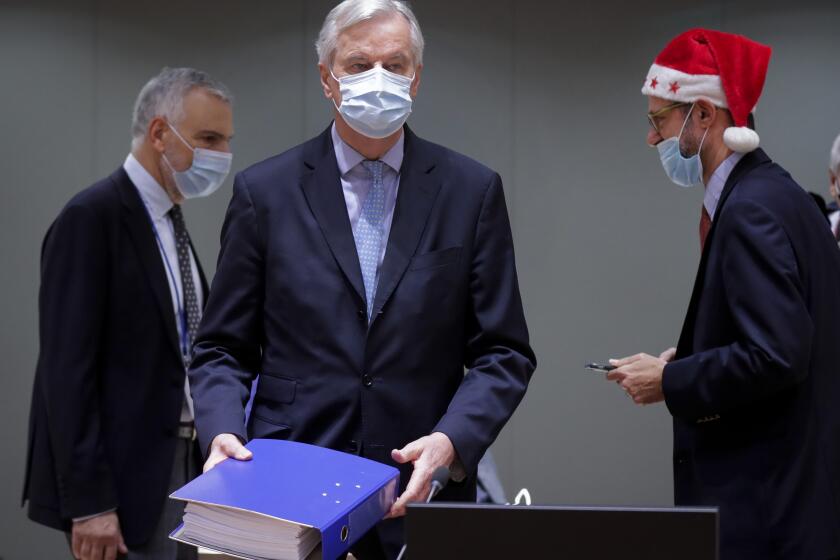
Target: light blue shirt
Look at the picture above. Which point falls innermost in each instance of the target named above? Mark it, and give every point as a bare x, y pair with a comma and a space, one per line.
356, 181
717, 181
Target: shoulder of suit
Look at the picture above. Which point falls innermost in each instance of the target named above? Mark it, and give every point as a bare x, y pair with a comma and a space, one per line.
290, 165
457, 161
101, 197
287, 165
457, 168
770, 186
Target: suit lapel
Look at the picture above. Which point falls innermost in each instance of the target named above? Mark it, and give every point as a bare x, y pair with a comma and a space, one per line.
322, 189
419, 186
139, 226
749, 162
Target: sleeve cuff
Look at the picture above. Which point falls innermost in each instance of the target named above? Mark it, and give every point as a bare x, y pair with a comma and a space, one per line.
457, 473
86, 517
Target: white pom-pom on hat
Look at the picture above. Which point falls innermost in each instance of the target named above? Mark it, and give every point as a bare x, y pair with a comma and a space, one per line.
741, 139
728, 70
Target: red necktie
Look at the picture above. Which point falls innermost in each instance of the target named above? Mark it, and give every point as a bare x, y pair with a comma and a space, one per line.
705, 225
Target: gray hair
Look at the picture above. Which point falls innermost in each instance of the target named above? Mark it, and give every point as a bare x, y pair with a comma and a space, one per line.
163, 96
834, 162
351, 12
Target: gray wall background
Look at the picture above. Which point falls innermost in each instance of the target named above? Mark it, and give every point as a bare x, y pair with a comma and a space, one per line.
547, 93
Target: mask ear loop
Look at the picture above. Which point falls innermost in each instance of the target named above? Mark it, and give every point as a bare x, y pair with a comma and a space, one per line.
181, 138
178, 134
700, 149
685, 122
339, 88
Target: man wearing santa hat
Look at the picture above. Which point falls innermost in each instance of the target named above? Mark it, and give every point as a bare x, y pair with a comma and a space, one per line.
754, 383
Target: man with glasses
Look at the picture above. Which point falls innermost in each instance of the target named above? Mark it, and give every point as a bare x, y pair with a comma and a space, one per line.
753, 384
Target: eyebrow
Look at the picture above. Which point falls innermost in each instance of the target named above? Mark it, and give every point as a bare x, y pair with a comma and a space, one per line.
358, 55
212, 133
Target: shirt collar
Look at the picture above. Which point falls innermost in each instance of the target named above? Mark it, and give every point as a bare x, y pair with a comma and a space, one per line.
154, 197
348, 158
718, 181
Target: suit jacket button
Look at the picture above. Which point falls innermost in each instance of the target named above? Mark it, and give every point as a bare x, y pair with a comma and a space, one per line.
367, 380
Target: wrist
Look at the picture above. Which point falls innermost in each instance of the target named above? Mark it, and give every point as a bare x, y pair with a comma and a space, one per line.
92, 516
449, 450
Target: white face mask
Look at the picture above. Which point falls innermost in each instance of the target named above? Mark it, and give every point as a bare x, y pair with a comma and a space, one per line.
375, 103
683, 171
208, 171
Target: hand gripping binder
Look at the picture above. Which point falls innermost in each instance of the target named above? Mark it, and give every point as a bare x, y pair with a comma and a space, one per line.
341, 495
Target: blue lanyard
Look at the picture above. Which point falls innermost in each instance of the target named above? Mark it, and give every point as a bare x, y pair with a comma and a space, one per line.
182, 314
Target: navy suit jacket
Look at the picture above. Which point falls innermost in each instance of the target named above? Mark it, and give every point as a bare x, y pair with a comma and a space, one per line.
755, 386
288, 303
109, 385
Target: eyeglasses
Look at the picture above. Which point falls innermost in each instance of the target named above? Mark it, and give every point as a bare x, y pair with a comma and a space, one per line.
652, 117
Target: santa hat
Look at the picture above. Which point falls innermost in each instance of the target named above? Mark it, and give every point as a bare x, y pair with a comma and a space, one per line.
728, 70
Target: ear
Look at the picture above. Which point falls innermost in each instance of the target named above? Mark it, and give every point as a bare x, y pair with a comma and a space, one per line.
157, 128
415, 85
705, 112
326, 83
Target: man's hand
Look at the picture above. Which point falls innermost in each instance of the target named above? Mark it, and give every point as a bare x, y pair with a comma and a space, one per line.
98, 538
224, 446
640, 376
427, 454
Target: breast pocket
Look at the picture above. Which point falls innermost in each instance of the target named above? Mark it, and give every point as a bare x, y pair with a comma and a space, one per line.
436, 259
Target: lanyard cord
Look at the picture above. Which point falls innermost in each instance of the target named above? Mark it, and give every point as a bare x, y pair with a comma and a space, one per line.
180, 311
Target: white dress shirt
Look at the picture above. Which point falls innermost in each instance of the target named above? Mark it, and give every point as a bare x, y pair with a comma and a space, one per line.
834, 222
159, 204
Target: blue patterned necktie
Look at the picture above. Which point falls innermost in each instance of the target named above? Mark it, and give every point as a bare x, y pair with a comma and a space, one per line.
369, 230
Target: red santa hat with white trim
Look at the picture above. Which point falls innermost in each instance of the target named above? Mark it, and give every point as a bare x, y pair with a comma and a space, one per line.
728, 70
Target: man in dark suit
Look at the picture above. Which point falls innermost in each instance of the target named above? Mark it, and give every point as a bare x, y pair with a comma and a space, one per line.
359, 274
111, 426
753, 384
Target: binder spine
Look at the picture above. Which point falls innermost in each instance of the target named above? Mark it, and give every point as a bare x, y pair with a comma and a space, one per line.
348, 529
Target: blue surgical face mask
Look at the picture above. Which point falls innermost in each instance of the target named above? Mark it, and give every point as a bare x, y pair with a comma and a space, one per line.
208, 171
375, 103
683, 171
